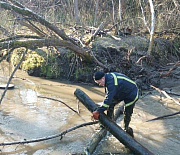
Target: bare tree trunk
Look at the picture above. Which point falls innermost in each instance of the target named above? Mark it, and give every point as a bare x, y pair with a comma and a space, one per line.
113, 15
76, 12
144, 18
70, 8
152, 27
96, 10
120, 11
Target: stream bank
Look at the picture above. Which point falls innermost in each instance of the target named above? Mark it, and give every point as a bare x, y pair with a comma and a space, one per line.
25, 116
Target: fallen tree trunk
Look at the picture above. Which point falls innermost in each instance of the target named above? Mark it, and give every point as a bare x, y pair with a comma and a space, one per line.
112, 127
97, 137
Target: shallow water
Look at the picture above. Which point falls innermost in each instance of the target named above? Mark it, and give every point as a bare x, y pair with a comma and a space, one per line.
23, 115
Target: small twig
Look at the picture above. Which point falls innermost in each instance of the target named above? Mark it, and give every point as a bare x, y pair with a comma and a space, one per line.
49, 137
164, 116
171, 69
78, 106
58, 101
141, 58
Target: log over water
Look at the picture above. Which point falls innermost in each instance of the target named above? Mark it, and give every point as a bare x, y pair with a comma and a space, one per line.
112, 127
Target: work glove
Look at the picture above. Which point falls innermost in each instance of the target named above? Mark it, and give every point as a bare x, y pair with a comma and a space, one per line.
96, 115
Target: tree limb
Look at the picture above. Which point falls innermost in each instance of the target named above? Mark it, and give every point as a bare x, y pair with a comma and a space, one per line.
165, 94
20, 37
49, 137
13, 75
171, 69
95, 33
164, 116
29, 13
58, 101
33, 44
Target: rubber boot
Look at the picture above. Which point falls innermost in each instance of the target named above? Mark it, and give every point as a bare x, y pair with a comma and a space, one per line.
129, 131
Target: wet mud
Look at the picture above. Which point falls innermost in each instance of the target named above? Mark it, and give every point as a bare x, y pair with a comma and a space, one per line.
25, 116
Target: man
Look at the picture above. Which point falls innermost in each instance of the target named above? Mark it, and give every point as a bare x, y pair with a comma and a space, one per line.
118, 87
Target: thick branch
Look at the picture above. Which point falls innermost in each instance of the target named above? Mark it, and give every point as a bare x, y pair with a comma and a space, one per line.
35, 43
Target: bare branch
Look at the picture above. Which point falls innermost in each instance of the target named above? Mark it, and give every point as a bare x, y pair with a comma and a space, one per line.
33, 44
13, 75
58, 101
27, 12
49, 137
164, 116
166, 94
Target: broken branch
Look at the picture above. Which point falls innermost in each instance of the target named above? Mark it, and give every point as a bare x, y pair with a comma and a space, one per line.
165, 94
58, 101
49, 137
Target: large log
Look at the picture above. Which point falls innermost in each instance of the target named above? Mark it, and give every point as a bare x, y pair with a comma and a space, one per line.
97, 137
112, 127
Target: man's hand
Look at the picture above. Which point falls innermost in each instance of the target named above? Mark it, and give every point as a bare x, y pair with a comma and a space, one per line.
96, 115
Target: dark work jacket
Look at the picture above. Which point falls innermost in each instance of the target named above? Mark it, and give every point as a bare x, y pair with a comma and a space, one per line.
125, 89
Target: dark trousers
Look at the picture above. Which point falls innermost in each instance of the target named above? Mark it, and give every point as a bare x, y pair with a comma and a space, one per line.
127, 113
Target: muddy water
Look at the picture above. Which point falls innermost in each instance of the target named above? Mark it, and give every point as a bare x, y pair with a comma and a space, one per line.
23, 115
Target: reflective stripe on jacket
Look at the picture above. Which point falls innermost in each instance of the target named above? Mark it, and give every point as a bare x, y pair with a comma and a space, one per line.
119, 87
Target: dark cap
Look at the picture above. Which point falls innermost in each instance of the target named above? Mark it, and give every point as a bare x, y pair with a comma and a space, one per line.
98, 75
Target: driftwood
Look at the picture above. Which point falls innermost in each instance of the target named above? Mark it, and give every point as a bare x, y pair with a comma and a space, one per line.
97, 137
164, 116
59, 101
165, 94
49, 137
112, 127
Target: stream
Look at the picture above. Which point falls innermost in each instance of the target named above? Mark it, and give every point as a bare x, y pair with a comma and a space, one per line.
25, 116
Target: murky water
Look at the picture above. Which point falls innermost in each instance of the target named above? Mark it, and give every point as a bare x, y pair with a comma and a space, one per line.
23, 115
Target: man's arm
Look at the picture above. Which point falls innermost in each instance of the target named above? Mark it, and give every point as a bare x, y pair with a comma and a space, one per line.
107, 102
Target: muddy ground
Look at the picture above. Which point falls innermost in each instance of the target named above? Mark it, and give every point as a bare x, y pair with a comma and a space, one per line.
25, 116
